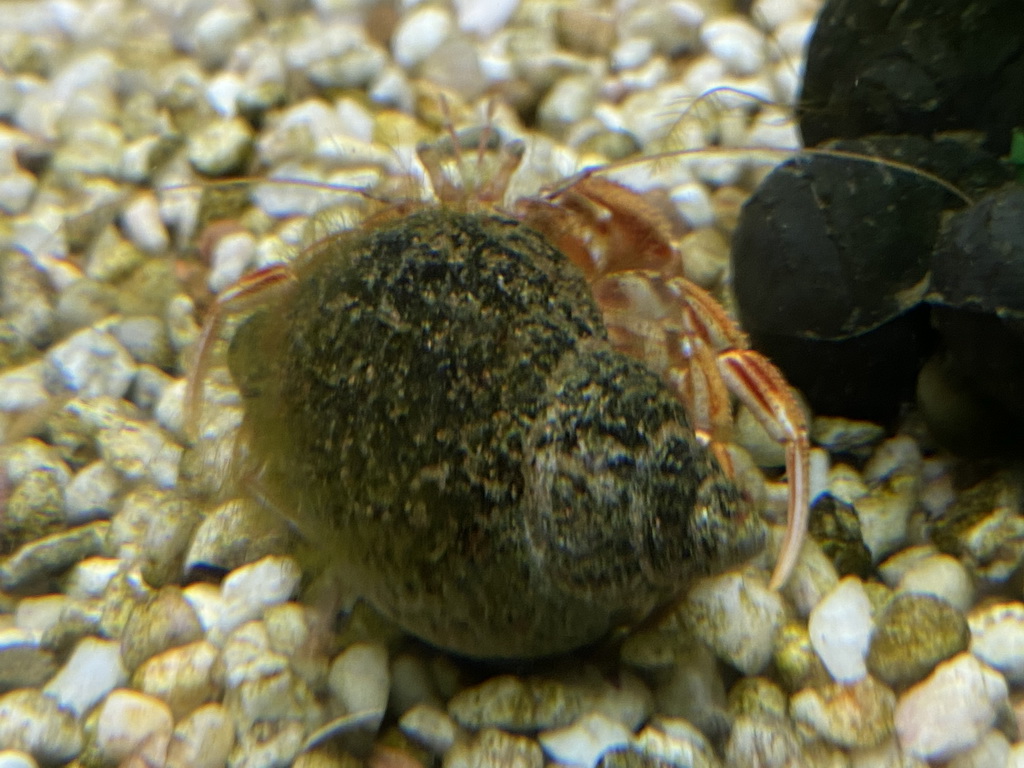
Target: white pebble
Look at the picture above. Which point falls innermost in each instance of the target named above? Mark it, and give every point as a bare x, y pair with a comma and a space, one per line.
430, 726
840, 627
739, 617
14, 758
129, 724
962, 691
40, 614
143, 226
792, 36
90, 577
419, 34
942, 576
359, 679
91, 492
93, 670
182, 677
23, 388
993, 751
206, 601
584, 742
771, 13
139, 450
232, 256
997, 638
736, 43
694, 203
202, 740
484, 17
92, 364
252, 588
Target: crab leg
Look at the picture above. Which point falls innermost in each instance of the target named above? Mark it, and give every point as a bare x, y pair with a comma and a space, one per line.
758, 385
248, 292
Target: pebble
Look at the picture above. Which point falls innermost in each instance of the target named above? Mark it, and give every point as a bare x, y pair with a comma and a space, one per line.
165, 620
942, 576
761, 741
146, 340
32, 722
142, 224
232, 257
738, 617
141, 451
39, 614
221, 148
359, 679
203, 739
90, 578
91, 364
961, 690
492, 747
797, 663
89, 495
814, 577
24, 387
411, 683
993, 751
13, 758
693, 690
235, 533
419, 33
52, 554
914, 633
181, 677
130, 723
92, 671
250, 589
484, 19
670, 741
737, 43
997, 638
848, 715
23, 663
884, 514
584, 742
840, 628
430, 726
539, 703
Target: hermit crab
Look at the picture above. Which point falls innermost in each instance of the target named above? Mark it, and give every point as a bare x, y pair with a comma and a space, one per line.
505, 425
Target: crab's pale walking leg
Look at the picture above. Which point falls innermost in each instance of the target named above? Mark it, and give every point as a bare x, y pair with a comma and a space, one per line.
757, 383
251, 291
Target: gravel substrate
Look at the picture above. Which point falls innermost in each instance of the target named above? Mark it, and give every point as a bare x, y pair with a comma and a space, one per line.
141, 624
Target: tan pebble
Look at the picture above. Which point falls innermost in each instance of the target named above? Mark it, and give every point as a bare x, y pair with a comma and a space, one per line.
132, 723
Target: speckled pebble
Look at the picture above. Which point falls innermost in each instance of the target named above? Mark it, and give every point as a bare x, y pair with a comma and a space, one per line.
840, 628
584, 742
797, 663
235, 533
91, 363
848, 715
962, 690
914, 633
669, 740
203, 739
164, 621
32, 722
492, 748
181, 677
131, 723
763, 741
538, 703
141, 451
52, 554
92, 671
23, 662
997, 638
738, 616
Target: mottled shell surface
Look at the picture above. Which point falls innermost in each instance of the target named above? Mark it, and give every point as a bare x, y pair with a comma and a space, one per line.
439, 394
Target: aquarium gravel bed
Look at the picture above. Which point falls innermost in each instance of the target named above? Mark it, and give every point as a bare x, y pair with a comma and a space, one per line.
153, 612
